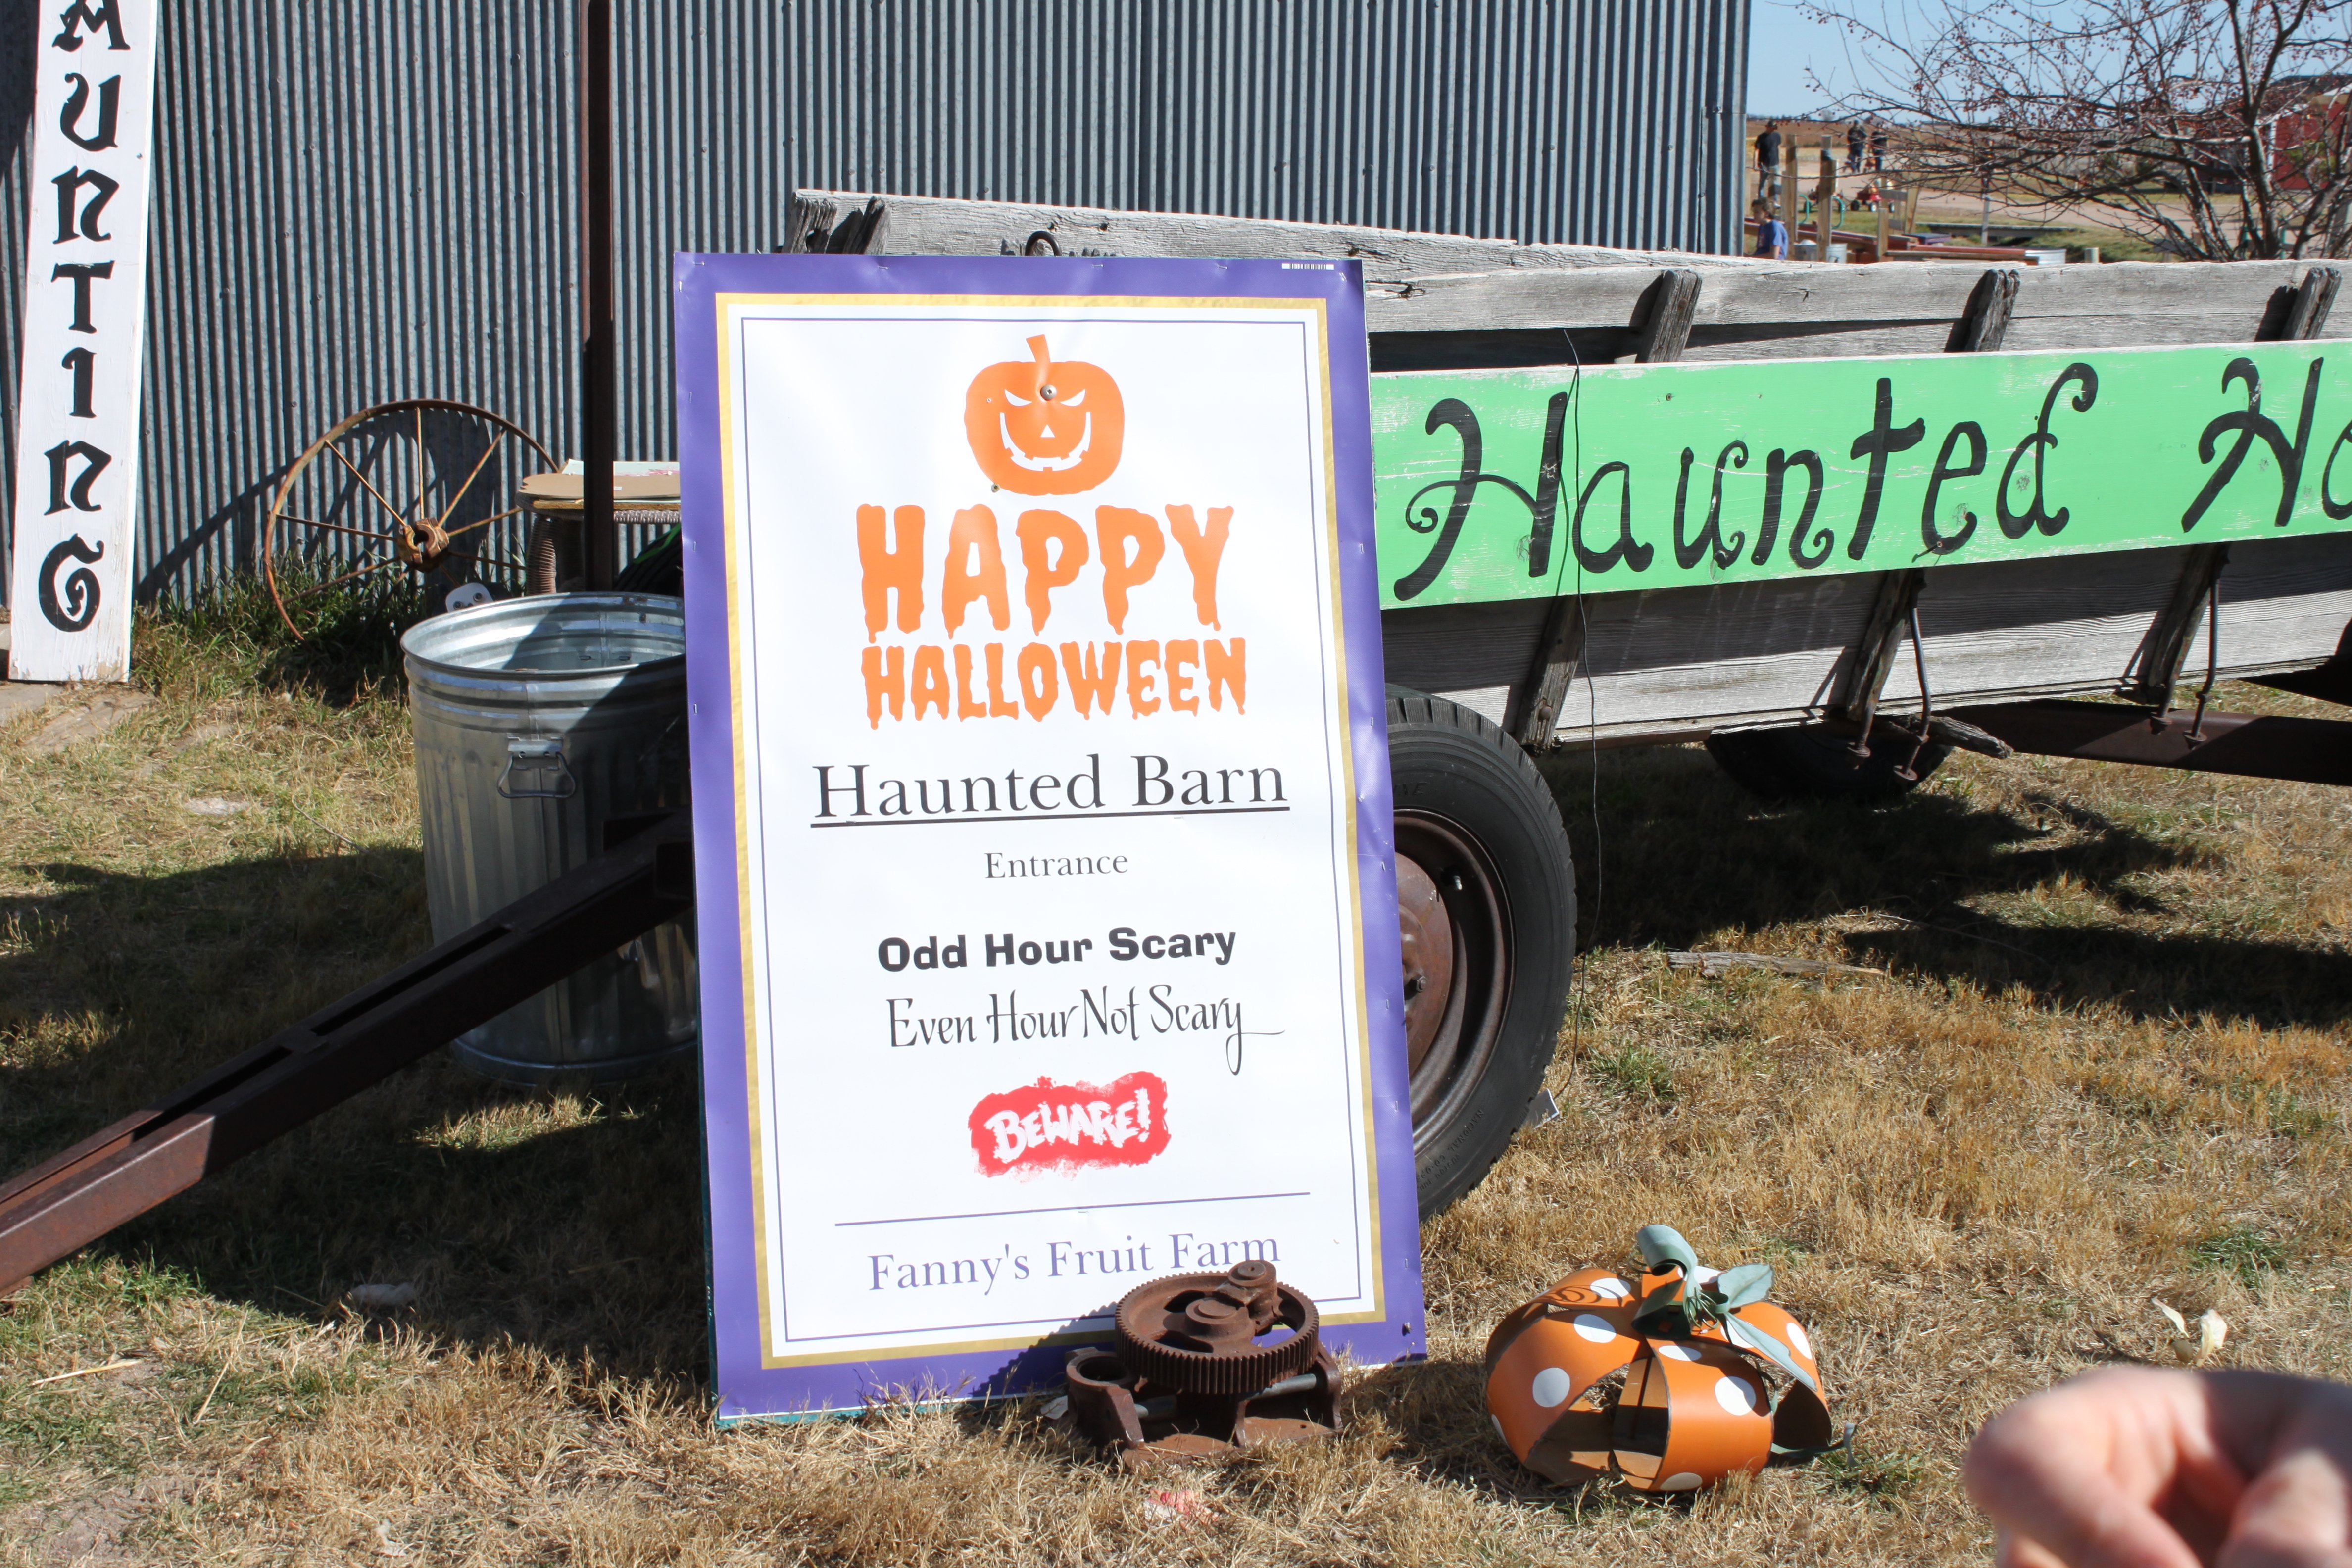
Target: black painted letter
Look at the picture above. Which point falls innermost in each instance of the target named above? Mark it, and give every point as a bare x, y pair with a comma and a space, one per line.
79, 606
1937, 541
1624, 549
69, 186
2016, 525
1879, 440
109, 104
94, 461
2250, 423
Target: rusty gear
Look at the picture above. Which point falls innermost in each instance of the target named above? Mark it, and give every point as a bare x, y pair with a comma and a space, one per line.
1197, 1333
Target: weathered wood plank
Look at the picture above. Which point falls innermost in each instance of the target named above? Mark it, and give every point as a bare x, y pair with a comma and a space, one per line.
2238, 294
1479, 293
1685, 659
933, 226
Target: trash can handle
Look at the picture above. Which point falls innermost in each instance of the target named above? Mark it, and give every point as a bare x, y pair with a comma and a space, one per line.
538, 754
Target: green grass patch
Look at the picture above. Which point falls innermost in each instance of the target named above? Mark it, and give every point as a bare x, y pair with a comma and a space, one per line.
1884, 1475
1636, 1071
230, 639
2244, 1250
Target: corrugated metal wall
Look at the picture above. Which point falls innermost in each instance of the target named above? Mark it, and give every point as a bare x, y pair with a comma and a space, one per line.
373, 199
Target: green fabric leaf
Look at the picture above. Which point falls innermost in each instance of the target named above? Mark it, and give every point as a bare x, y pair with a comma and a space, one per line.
1739, 1286
1663, 1243
1748, 1336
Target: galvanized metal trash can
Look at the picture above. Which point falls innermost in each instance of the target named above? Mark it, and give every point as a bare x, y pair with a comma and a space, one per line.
538, 720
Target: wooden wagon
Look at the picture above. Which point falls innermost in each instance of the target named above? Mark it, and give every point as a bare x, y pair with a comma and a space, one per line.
1830, 617
1811, 659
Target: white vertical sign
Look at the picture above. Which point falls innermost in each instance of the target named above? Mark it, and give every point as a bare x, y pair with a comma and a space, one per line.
85, 313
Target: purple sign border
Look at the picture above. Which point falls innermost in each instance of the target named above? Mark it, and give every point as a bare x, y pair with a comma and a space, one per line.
745, 1389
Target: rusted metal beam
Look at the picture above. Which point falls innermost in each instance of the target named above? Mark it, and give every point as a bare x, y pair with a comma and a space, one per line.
2249, 746
68, 1202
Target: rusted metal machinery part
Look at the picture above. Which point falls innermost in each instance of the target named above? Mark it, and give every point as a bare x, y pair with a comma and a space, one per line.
2249, 745
420, 542
69, 1201
1197, 1333
1186, 1378
1452, 918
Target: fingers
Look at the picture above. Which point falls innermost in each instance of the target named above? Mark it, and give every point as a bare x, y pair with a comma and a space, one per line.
2295, 1435
2075, 1475
2016, 1552
2296, 1514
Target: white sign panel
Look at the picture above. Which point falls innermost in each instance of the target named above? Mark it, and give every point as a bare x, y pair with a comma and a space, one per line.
85, 313
1024, 642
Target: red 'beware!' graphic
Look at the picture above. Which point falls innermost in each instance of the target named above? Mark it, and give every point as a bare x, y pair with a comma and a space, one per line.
1050, 1126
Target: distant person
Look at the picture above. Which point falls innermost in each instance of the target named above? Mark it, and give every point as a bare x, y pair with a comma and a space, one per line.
1854, 137
1868, 197
1877, 148
1767, 150
2138, 1467
1771, 234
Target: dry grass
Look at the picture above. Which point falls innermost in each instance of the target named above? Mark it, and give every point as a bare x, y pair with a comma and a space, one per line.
2109, 1063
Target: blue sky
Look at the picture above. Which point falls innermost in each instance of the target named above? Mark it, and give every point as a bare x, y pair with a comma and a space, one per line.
1781, 45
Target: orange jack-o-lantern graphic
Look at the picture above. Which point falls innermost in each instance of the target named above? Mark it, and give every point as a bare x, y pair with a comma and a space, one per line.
1701, 1354
1044, 427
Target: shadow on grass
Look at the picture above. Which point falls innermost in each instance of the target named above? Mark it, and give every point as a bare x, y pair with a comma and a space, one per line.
572, 1222
1686, 852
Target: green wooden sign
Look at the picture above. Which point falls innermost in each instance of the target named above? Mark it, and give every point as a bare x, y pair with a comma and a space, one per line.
1526, 483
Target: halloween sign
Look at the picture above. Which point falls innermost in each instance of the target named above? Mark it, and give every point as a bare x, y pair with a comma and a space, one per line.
1047, 912
1529, 483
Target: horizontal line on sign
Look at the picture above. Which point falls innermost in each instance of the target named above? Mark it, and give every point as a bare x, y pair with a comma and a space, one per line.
1055, 816
1070, 1209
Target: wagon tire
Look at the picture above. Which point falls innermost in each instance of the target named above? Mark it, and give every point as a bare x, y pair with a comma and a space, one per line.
1813, 765
1487, 906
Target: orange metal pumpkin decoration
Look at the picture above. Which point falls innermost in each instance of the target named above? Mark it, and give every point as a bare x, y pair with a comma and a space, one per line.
1694, 1345
1044, 426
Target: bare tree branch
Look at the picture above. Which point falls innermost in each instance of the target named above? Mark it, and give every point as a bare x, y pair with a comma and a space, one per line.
2216, 129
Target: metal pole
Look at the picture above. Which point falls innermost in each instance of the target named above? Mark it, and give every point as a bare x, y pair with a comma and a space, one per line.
598, 416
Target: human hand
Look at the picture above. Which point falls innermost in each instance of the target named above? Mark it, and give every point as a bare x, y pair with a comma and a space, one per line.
2135, 1468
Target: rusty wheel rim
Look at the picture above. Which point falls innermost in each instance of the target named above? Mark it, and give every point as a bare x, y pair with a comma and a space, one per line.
1453, 920
419, 486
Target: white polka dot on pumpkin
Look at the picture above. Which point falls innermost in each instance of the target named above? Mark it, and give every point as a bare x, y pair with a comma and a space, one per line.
1551, 1387
1798, 1338
1611, 1289
1678, 1352
1498, 1420
1737, 1395
1594, 1327
1682, 1482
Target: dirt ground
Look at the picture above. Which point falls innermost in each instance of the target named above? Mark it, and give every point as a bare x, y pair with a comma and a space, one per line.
2107, 1064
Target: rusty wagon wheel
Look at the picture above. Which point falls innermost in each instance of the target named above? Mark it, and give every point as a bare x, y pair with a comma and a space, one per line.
418, 486
1486, 912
